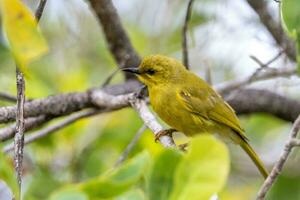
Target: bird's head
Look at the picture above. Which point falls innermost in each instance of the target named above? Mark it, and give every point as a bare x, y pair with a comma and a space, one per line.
158, 69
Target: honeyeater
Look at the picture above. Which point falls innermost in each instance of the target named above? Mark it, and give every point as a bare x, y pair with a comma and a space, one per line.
188, 104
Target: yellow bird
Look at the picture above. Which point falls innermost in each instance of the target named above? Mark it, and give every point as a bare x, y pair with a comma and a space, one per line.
188, 104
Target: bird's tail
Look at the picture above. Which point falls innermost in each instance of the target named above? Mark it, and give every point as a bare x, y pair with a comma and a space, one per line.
254, 157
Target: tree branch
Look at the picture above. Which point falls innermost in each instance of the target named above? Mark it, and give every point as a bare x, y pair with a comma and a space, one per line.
143, 111
263, 65
269, 73
30, 123
107, 102
19, 135
20, 129
52, 128
185, 53
103, 99
274, 27
40, 9
130, 146
8, 97
295, 142
280, 163
244, 102
54, 105
247, 101
64, 104
116, 37
110, 77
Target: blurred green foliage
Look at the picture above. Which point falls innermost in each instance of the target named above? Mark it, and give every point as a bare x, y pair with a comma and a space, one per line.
118, 181
161, 180
7, 173
285, 188
78, 59
202, 167
291, 15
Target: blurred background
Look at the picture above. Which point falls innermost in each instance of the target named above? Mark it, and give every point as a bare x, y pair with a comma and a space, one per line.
223, 34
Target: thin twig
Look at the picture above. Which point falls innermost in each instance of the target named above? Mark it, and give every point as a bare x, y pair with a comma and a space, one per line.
117, 39
110, 77
274, 27
295, 142
262, 65
7, 97
52, 128
275, 57
30, 123
19, 136
103, 99
280, 163
185, 53
130, 146
40, 9
207, 75
262, 75
143, 111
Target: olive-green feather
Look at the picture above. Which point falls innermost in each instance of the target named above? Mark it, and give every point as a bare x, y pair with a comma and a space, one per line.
202, 100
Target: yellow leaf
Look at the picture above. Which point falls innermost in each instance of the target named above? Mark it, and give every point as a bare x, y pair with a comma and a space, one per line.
25, 40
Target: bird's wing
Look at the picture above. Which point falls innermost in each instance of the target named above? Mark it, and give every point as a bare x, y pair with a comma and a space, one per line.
205, 102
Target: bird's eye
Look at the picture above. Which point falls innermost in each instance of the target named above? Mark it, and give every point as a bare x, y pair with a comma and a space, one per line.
150, 71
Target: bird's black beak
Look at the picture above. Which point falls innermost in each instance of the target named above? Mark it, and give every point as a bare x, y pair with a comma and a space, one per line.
132, 70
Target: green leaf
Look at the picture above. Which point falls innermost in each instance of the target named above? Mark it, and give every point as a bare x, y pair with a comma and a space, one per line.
25, 40
285, 188
203, 171
290, 12
42, 176
117, 181
197, 19
162, 174
69, 194
135, 194
290, 16
298, 50
7, 173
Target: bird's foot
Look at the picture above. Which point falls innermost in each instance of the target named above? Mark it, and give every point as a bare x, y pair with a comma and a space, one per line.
164, 132
183, 147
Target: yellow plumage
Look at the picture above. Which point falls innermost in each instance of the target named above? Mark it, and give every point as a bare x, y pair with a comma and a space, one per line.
188, 104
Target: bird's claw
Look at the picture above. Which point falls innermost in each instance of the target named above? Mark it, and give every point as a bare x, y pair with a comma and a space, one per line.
183, 147
164, 132
143, 92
